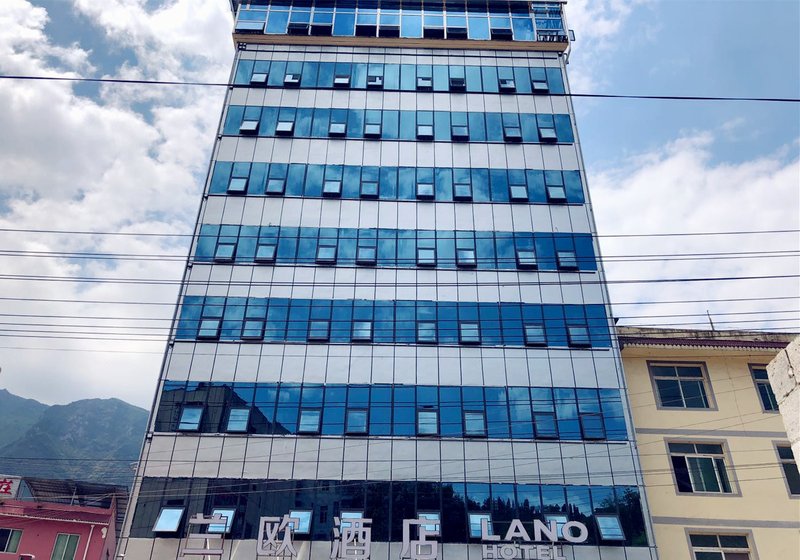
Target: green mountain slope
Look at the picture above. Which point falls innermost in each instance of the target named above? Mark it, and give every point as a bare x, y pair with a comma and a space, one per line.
93, 440
17, 415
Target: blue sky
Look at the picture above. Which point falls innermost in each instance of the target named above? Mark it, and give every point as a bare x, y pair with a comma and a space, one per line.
133, 159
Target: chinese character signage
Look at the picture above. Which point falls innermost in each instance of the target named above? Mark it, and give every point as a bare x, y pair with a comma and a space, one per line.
9, 486
352, 538
275, 536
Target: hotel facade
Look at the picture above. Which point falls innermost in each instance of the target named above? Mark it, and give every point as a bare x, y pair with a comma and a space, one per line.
393, 337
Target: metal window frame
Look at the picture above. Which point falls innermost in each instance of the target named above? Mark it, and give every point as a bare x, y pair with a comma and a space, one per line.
706, 378
422, 191
434, 411
366, 338
249, 127
216, 333
309, 409
372, 132
332, 192
261, 327
432, 340
240, 185
363, 193
275, 180
465, 262
225, 257
284, 128
748, 534
483, 432
347, 429
158, 518
524, 262
362, 261
569, 260
426, 263
577, 340
481, 515
269, 259
337, 129
422, 132
184, 408
513, 198
757, 382
246, 420
469, 341
321, 337
547, 134
730, 470
781, 462
530, 341
341, 81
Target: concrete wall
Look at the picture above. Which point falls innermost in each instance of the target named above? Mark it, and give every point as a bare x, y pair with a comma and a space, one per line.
759, 506
783, 370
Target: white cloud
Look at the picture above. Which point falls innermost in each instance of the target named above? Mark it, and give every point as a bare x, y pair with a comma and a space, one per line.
598, 25
102, 164
681, 188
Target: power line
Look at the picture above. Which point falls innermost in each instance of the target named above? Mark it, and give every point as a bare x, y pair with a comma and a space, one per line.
333, 322
340, 284
173, 303
168, 319
226, 85
631, 258
191, 235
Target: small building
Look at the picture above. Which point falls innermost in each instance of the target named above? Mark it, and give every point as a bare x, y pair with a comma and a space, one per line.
43, 519
718, 469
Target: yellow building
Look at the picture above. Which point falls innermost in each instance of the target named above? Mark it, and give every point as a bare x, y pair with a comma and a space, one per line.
719, 473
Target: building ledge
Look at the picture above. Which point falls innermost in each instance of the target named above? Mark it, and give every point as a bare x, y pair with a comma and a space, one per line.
466, 44
650, 336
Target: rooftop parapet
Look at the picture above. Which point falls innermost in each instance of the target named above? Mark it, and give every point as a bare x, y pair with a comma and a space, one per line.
506, 24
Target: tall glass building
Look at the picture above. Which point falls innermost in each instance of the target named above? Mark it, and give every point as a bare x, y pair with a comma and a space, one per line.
393, 338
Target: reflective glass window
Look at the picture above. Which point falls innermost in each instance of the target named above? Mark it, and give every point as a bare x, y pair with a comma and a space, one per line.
169, 520
469, 333
319, 331
190, 418
304, 521
362, 331
578, 335
238, 420
680, 386
427, 422
237, 185
426, 332
227, 515
309, 421
474, 424
356, 421
476, 520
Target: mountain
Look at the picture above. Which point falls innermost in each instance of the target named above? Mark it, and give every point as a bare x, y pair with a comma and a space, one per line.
17, 415
94, 440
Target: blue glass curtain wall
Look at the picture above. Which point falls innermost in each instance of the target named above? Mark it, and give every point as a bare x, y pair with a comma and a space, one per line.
390, 410
399, 77
387, 504
414, 126
415, 19
392, 322
391, 248
397, 183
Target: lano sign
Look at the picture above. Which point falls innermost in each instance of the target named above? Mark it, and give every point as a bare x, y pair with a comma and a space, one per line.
517, 542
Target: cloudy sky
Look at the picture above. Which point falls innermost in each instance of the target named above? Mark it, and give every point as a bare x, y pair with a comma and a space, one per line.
132, 159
